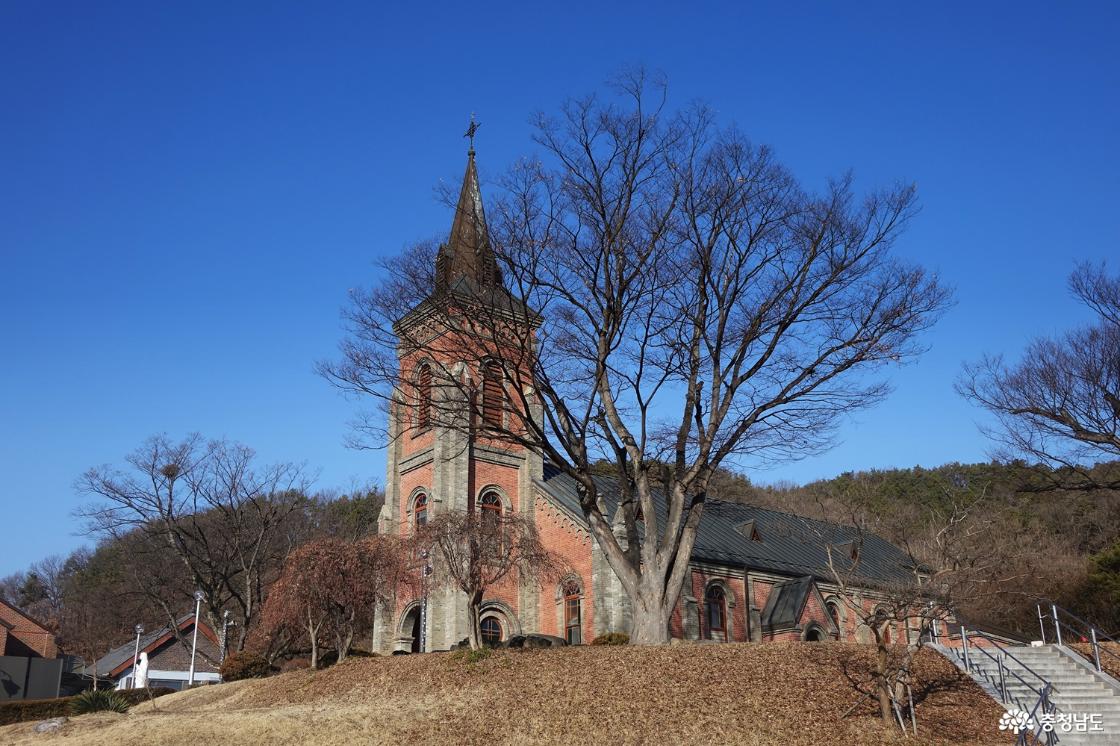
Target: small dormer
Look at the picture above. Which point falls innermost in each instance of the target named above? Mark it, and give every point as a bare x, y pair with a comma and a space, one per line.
749, 530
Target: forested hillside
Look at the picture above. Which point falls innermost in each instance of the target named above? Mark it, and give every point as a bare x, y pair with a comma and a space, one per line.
1049, 542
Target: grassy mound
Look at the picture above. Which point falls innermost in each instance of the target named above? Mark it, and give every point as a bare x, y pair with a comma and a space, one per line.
749, 694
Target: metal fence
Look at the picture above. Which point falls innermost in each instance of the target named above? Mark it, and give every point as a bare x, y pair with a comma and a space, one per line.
29, 678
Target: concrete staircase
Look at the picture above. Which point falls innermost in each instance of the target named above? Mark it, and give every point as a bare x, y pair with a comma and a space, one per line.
1078, 689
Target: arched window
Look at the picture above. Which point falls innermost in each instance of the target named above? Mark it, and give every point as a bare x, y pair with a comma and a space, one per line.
491, 631
834, 614
490, 506
716, 602
424, 396
573, 618
420, 510
493, 395
814, 634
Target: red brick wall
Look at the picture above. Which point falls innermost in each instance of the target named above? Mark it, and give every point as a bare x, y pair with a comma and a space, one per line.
573, 543
762, 590
815, 611
25, 636
736, 596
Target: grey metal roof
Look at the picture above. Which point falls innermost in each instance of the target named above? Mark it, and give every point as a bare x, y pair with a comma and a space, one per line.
785, 603
790, 545
119, 655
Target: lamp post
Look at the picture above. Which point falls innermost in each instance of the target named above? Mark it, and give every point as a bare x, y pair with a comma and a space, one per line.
424, 602
198, 596
136, 653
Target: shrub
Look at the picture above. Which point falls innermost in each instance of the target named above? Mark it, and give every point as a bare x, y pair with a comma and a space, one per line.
295, 664
245, 665
470, 657
22, 710
612, 638
98, 700
136, 696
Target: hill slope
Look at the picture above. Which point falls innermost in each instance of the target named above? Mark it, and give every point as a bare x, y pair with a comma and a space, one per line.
741, 693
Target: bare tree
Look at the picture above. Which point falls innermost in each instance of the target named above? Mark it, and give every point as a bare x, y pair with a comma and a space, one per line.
658, 292
198, 515
1060, 405
475, 553
952, 562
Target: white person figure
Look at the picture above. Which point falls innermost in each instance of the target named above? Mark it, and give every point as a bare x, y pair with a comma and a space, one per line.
142, 671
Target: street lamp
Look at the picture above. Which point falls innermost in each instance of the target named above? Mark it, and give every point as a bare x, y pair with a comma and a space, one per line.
424, 602
198, 596
136, 653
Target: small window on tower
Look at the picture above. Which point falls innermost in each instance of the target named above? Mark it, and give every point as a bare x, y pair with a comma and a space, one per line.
493, 395
420, 510
491, 507
424, 396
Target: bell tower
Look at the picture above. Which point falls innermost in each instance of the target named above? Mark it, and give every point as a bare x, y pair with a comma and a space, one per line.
458, 393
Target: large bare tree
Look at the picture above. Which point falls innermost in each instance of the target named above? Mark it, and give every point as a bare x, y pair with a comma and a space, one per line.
666, 296
198, 515
1060, 404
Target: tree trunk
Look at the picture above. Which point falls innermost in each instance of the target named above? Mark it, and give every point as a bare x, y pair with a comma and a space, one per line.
651, 612
313, 633
474, 629
344, 641
882, 685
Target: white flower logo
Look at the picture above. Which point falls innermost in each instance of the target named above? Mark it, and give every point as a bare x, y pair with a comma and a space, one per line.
1016, 721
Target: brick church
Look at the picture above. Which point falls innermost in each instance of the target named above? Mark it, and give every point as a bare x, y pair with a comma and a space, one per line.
756, 575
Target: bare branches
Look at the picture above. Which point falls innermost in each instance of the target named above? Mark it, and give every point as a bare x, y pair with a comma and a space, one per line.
673, 297
477, 552
198, 515
1060, 405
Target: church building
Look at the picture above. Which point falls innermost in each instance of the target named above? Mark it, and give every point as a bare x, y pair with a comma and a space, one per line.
756, 574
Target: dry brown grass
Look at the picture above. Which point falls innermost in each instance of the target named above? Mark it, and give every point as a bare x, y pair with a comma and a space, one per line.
769, 694
1110, 661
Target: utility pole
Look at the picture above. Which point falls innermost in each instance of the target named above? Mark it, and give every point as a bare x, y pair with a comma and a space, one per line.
198, 596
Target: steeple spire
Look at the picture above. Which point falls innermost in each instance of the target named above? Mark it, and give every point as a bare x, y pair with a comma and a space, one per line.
467, 254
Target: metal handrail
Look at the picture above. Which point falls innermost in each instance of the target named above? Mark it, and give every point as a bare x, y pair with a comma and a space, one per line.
1095, 635
1025, 738
968, 648
1047, 707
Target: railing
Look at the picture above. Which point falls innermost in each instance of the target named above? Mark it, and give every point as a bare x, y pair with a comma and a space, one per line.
1079, 629
1042, 687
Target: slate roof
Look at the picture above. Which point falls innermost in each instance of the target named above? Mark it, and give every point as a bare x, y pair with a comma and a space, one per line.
123, 654
789, 545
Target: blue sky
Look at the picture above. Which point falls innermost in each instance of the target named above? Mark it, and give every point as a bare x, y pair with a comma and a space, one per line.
187, 191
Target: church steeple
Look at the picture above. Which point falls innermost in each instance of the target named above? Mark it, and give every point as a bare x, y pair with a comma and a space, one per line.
467, 255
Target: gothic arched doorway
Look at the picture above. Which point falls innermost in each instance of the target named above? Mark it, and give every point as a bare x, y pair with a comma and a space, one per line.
410, 626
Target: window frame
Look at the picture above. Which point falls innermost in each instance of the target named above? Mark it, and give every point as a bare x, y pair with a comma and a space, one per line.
420, 510
721, 607
423, 397
486, 621
573, 624
493, 395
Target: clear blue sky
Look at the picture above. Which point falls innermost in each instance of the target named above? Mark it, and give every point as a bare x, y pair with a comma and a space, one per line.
188, 190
